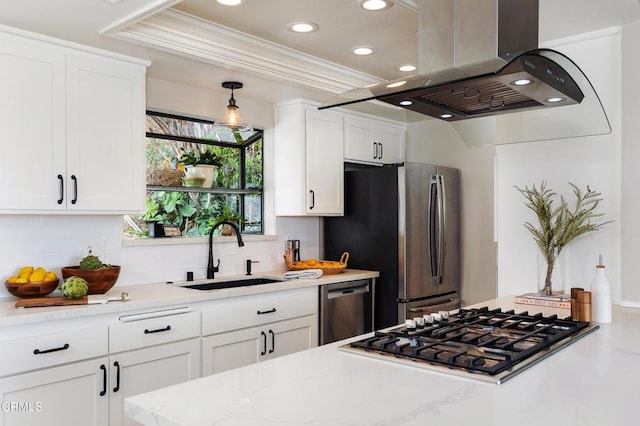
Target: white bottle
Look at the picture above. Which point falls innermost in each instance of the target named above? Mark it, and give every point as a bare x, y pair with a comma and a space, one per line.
601, 294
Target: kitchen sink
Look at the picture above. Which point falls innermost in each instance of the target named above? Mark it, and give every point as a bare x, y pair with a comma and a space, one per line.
230, 284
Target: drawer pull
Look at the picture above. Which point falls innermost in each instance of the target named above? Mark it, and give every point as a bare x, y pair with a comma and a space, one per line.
104, 380
46, 351
116, 364
158, 330
270, 311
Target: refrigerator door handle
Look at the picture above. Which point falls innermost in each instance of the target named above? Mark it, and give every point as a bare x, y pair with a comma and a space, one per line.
442, 227
448, 303
432, 231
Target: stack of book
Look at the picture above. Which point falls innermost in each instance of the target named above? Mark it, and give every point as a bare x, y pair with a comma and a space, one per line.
561, 301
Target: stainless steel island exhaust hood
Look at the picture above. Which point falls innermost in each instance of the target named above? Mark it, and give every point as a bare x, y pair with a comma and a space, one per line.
486, 76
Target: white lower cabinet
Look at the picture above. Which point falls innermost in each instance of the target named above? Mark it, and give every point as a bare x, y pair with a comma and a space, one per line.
72, 395
251, 329
239, 348
148, 369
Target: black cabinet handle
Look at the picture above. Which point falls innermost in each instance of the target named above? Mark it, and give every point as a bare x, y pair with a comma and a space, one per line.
270, 311
380, 156
75, 189
104, 380
61, 179
273, 341
264, 340
167, 328
116, 364
375, 150
46, 351
313, 199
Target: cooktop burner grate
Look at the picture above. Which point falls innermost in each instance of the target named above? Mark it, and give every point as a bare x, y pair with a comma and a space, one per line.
479, 340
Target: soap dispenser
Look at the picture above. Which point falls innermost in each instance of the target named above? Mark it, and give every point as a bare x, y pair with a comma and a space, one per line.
601, 294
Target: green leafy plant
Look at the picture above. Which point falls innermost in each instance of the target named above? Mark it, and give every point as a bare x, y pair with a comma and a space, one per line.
559, 225
207, 157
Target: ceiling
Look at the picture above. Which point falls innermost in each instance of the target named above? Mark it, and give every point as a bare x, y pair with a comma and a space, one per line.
202, 43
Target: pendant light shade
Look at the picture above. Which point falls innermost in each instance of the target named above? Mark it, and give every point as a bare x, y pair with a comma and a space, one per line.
232, 118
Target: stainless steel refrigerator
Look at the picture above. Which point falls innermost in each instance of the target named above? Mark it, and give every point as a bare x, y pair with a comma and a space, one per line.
401, 220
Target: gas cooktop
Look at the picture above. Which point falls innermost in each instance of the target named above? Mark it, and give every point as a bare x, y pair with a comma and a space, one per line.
478, 343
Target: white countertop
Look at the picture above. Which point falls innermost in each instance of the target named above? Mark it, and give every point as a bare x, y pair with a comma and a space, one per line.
156, 295
590, 382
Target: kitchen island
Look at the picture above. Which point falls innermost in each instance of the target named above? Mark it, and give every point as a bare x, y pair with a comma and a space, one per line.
590, 382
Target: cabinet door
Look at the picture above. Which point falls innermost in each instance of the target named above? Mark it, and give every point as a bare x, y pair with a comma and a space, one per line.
359, 139
149, 369
105, 134
69, 395
324, 161
287, 337
234, 349
391, 144
32, 85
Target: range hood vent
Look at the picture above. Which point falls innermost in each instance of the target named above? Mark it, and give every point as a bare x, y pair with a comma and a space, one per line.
512, 96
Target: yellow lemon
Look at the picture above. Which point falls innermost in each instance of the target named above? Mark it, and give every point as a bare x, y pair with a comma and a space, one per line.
40, 268
21, 280
38, 275
50, 276
12, 279
25, 270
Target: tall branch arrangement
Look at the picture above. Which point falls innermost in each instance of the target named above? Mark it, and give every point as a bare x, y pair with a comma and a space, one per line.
559, 225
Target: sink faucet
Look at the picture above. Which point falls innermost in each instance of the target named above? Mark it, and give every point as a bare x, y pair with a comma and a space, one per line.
211, 270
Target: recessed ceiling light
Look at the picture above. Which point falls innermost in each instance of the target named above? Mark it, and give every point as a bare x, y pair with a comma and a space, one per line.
406, 68
303, 27
446, 115
396, 84
406, 103
555, 99
363, 50
522, 82
375, 4
230, 2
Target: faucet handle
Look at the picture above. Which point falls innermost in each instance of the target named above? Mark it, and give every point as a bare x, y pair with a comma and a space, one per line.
249, 262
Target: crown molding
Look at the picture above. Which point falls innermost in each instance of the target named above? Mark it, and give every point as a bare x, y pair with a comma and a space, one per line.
183, 34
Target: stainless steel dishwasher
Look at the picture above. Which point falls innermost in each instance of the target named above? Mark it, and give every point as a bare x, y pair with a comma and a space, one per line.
346, 309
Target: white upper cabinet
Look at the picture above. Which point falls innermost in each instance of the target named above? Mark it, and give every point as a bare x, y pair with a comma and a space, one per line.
73, 124
309, 162
372, 141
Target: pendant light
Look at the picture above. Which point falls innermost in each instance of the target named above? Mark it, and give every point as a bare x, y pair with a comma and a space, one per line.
232, 118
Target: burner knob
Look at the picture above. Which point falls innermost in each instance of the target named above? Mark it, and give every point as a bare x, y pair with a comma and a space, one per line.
419, 321
411, 324
444, 315
436, 317
428, 318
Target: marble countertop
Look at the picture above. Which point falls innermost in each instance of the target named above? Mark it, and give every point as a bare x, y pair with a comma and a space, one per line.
157, 295
590, 382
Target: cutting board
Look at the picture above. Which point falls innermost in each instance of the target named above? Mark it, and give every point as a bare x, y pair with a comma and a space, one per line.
49, 301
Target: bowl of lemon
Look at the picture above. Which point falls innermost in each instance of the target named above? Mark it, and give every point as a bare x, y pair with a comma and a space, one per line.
32, 282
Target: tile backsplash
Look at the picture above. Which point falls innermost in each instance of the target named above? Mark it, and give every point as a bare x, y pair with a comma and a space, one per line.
57, 241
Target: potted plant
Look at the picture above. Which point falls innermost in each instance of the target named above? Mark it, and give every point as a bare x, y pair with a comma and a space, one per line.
231, 216
201, 164
558, 226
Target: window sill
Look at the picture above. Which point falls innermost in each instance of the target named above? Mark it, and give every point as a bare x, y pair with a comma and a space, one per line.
166, 241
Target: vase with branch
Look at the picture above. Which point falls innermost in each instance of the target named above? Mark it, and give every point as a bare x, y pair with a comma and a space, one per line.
560, 224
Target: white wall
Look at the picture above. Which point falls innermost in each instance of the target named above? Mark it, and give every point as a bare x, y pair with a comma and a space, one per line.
56, 241
593, 161
435, 142
630, 294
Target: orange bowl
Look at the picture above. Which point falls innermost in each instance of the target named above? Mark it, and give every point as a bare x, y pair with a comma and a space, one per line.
99, 280
32, 289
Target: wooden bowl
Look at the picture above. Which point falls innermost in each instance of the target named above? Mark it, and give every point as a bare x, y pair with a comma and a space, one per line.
32, 289
99, 280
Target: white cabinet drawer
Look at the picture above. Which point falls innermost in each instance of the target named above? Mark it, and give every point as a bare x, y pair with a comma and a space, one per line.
249, 311
52, 349
153, 331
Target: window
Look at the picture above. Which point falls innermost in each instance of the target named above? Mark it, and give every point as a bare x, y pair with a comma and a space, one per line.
174, 144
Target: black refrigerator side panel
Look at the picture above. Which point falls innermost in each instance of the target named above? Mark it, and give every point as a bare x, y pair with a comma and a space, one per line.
369, 232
